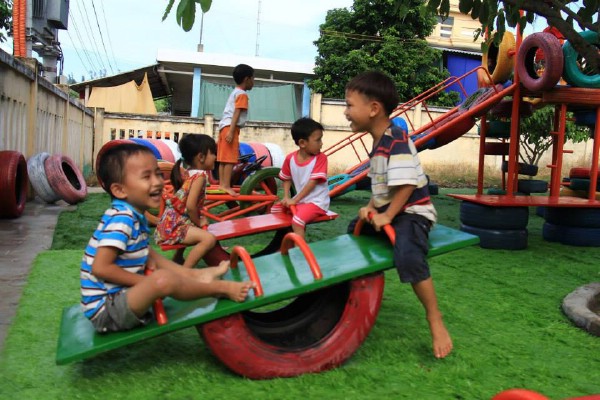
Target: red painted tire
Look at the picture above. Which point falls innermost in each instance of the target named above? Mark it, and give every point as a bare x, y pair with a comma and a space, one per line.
519, 394
581, 172
553, 56
38, 179
165, 151
13, 184
65, 178
262, 150
504, 109
318, 331
496, 149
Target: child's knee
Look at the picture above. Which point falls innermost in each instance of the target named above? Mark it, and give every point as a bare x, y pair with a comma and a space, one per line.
164, 282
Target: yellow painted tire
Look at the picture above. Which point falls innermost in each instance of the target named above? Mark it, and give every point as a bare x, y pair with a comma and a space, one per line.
500, 59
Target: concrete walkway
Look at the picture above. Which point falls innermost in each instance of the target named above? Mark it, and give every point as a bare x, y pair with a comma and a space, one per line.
21, 239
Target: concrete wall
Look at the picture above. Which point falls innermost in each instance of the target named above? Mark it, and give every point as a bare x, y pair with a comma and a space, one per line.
36, 116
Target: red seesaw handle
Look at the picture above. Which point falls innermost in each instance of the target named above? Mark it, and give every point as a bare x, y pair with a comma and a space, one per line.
239, 252
293, 238
386, 228
159, 308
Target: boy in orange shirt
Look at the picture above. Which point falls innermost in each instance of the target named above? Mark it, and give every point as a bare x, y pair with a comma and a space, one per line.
235, 115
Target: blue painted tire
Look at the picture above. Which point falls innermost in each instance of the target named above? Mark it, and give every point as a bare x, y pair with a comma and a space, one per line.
570, 235
498, 239
529, 186
574, 216
489, 217
572, 73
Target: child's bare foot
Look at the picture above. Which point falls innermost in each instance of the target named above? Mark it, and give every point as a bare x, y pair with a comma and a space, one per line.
228, 190
442, 343
209, 274
237, 291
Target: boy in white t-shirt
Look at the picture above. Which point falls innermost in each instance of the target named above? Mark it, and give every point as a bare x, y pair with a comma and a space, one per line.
306, 168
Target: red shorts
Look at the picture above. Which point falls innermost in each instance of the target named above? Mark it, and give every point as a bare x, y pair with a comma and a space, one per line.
228, 152
305, 213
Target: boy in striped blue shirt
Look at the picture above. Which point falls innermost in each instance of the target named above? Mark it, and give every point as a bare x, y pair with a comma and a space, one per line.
400, 196
115, 293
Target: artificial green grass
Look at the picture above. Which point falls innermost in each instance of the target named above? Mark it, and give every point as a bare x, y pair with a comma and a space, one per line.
501, 307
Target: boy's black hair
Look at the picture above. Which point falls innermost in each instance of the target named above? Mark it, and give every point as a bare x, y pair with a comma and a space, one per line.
112, 164
303, 128
242, 71
190, 146
376, 86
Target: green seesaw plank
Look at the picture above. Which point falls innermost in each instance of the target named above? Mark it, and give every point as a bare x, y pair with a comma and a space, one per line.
341, 259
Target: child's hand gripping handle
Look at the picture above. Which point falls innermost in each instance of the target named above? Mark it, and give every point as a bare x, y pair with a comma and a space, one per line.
386, 228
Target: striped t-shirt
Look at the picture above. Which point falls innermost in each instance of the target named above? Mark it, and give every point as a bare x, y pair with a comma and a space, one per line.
395, 162
126, 229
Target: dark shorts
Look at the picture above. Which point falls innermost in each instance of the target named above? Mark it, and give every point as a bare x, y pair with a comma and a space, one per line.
412, 246
117, 316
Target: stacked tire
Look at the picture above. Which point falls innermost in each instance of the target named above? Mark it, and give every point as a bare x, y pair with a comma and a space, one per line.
13, 184
497, 227
572, 226
56, 177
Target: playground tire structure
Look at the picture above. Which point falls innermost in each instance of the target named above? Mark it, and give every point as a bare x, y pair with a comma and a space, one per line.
577, 217
277, 154
38, 179
263, 181
503, 61
523, 169
165, 151
572, 72
316, 332
174, 147
13, 184
503, 109
65, 178
489, 217
529, 186
478, 97
497, 129
506, 239
553, 55
496, 148
580, 305
571, 235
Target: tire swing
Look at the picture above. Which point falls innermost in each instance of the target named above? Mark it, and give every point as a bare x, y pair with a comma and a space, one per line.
65, 178
13, 184
526, 61
498, 61
572, 70
317, 331
38, 179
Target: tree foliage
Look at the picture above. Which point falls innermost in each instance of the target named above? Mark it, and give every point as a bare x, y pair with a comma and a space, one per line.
186, 11
535, 137
371, 35
496, 15
5, 17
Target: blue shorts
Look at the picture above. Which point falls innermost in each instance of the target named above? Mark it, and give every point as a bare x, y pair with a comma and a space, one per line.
411, 248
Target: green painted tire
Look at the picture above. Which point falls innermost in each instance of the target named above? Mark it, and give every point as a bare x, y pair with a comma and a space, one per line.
264, 181
572, 73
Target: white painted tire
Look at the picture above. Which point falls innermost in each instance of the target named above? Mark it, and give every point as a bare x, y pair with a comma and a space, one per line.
174, 146
38, 179
277, 154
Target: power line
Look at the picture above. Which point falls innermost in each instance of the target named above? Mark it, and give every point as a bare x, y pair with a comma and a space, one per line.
102, 38
90, 34
109, 39
74, 24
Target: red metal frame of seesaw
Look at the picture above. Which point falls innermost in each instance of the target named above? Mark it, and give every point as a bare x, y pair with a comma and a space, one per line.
562, 98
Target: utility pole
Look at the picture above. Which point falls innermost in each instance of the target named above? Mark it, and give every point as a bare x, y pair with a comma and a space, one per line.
257, 28
200, 45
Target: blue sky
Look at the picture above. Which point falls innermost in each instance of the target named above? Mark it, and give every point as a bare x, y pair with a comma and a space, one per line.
132, 32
